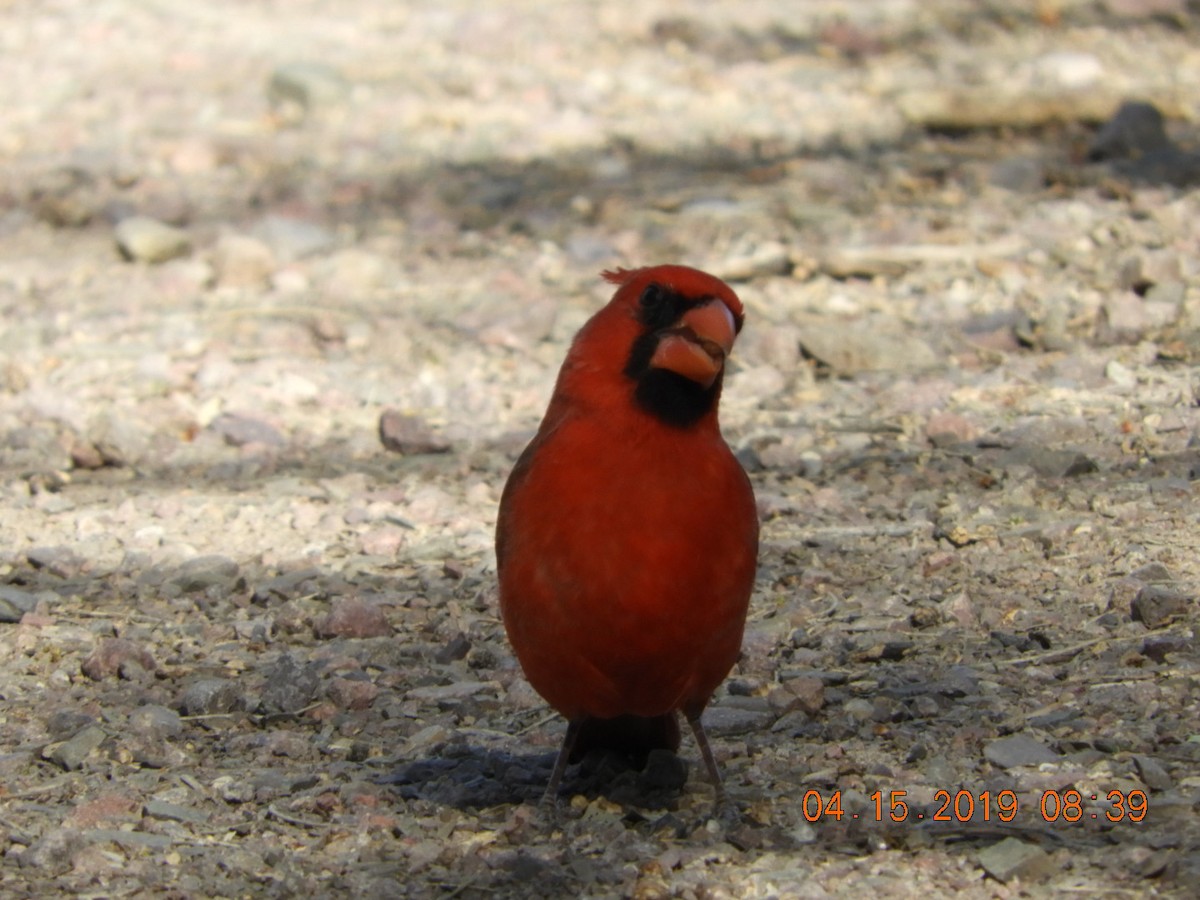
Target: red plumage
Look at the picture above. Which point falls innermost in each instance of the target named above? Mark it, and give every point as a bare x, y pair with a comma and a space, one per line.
627, 535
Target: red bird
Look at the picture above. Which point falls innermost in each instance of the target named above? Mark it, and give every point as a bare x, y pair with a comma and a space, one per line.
627, 536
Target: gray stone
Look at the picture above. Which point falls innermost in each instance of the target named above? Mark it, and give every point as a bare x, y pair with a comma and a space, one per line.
1018, 750
210, 696
71, 754
161, 809
1012, 858
14, 603
296, 88
204, 572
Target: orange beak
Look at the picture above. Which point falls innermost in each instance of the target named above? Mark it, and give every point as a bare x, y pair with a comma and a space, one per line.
697, 345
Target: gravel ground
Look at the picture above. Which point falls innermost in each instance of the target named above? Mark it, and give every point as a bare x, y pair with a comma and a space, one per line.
284, 289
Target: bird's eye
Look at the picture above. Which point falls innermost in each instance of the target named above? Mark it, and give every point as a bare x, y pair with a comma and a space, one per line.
652, 296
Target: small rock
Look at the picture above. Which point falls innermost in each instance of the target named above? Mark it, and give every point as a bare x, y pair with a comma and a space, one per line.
771, 258
233, 790
119, 656
142, 239
288, 688
242, 261
63, 723
210, 696
1068, 69
1018, 750
161, 809
68, 197
297, 88
1049, 462
1136, 129
728, 721
1020, 174
14, 603
451, 693
111, 809
944, 429
384, 540
350, 693
1012, 858
409, 435
117, 439
293, 238
238, 431
809, 693
1153, 775
852, 347
1120, 374
455, 649
355, 272
1155, 606
1158, 647
204, 572
60, 561
354, 618
85, 455
53, 853
155, 721
71, 754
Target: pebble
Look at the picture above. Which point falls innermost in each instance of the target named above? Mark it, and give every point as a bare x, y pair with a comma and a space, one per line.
161, 809
155, 721
1018, 750
408, 434
142, 239
288, 687
1161, 646
1020, 174
354, 694
117, 439
239, 430
1137, 128
292, 238
70, 754
203, 572
806, 693
1153, 774
239, 260
452, 693
60, 561
68, 197
208, 696
1155, 606
119, 656
770, 258
297, 88
14, 603
730, 721
1012, 858
849, 348
54, 852
353, 618
1068, 69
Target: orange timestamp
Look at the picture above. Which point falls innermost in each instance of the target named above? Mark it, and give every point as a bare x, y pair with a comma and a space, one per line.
966, 806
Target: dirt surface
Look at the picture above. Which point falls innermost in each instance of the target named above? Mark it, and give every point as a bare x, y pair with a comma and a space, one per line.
248, 650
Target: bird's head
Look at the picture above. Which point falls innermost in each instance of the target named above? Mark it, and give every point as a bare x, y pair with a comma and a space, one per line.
665, 336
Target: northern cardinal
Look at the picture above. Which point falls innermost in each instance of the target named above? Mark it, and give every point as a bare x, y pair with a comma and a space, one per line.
627, 535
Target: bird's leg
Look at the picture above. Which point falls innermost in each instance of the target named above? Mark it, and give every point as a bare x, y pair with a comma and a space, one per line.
710, 761
550, 798
723, 807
